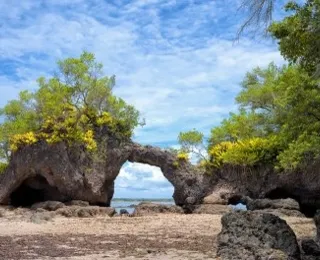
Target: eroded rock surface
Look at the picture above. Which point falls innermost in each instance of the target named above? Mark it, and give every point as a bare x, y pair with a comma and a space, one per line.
214, 209
148, 208
289, 204
85, 212
58, 172
263, 182
250, 236
279, 207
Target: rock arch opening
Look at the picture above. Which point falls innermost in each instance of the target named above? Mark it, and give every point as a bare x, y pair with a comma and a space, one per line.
280, 193
33, 190
139, 182
236, 202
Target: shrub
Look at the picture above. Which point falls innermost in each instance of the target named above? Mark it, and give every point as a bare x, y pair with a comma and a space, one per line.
246, 152
183, 156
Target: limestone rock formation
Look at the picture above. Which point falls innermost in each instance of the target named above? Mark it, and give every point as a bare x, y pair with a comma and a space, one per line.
85, 212
282, 212
289, 204
250, 235
278, 207
148, 208
235, 182
60, 172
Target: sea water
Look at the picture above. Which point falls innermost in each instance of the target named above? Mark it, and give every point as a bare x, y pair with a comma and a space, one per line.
129, 204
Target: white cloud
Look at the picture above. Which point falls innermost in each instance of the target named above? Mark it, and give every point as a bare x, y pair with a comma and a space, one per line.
142, 178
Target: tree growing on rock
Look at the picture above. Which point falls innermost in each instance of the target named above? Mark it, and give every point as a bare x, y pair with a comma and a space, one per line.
192, 142
69, 107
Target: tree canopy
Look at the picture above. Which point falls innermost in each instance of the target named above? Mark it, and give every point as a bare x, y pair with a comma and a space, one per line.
278, 120
68, 107
298, 34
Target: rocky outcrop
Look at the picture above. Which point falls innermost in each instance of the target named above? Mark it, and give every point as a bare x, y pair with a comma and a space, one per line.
60, 172
289, 204
148, 208
85, 212
278, 207
234, 182
250, 235
310, 247
214, 209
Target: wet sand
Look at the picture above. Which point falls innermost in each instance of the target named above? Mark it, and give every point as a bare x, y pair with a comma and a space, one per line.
165, 236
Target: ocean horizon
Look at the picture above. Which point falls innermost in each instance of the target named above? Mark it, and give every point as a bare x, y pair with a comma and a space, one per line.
130, 203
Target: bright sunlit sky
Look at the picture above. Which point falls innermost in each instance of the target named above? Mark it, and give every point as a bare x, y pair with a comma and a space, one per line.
174, 60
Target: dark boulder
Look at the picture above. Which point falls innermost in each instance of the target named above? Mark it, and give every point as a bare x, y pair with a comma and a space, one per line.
250, 235
124, 212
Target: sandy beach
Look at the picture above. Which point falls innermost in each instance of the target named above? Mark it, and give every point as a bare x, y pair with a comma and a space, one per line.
164, 236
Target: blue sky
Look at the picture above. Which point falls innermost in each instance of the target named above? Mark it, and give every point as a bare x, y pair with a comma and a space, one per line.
175, 60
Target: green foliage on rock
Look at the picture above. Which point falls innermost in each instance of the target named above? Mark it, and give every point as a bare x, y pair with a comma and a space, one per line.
192, 142
68, 107
278, 120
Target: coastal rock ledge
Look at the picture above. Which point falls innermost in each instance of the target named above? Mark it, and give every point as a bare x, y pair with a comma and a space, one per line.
60, 172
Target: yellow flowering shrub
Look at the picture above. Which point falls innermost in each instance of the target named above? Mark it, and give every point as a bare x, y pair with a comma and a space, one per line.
89, 141
22, 139
246, 152
104, 119
183, 156
217, 151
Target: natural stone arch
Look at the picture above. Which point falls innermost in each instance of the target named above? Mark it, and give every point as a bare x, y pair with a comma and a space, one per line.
74, 174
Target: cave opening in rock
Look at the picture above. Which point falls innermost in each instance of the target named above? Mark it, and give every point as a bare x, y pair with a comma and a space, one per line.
138, 182
236, 202
279, 193
33, 190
